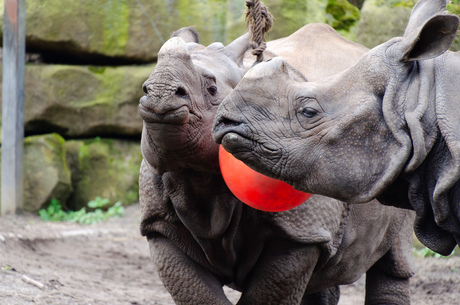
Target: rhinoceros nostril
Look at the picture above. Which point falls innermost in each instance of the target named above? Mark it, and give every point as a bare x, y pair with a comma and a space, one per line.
228, 122
181, 92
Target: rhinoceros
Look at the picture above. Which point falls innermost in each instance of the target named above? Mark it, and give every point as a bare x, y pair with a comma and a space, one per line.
202, 237
387, 128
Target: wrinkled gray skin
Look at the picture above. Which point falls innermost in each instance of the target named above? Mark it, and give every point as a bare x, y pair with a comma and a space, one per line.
386, 128
201, 237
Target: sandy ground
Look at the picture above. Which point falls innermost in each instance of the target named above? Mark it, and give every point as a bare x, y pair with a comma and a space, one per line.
108, 263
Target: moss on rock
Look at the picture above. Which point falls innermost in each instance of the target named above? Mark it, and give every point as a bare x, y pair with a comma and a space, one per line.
103, 167
46, 174
125, 30
82, 101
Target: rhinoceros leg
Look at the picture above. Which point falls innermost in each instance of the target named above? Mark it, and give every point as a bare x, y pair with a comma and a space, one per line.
383, 288
387, 281
281, 275
329, 296
187, 282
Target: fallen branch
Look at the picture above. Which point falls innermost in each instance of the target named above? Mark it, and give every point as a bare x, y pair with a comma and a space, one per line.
28, 280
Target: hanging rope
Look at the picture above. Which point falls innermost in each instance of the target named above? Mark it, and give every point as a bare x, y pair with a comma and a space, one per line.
259, 20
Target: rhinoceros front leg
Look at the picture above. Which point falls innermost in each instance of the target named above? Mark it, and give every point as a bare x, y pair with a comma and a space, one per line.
281, 274
387, 281
328, 296
187, 281
383, 288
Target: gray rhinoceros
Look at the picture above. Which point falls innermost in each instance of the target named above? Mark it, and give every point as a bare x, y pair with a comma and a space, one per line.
386, 128
202, 237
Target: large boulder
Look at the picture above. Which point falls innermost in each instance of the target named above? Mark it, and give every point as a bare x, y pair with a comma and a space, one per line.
109, 31
84, 101
116, 31
77, 171
46, 175
106, 168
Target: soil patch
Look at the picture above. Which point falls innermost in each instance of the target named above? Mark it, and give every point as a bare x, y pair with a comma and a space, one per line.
109, 263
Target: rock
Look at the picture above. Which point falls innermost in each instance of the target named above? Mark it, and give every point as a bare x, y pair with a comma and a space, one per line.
84, 101
103, 32
117, 31
103, 167
46, 174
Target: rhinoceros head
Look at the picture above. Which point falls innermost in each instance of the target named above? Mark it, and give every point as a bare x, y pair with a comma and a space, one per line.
344, 137
181, 98
386, 128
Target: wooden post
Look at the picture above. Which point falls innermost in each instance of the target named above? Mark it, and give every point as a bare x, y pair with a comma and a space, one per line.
13, 106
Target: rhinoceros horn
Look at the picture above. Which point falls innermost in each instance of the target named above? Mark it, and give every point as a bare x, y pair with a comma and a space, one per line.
176, 44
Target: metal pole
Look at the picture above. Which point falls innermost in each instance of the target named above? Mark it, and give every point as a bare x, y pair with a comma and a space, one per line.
13, 106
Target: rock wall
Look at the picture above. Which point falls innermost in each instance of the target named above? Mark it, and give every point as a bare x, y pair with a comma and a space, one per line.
67, 110
123, 31
46, 174
132, 31
84, 101
107, 168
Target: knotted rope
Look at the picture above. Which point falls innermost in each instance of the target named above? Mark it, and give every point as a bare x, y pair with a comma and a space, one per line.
259, 20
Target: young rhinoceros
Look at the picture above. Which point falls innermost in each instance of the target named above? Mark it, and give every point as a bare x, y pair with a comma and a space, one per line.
386, 128
201, 237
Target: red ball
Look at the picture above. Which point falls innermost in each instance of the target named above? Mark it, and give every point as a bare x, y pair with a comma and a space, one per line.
257, 190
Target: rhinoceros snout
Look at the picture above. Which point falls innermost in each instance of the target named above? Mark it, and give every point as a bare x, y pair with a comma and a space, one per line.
179, 114
223, 126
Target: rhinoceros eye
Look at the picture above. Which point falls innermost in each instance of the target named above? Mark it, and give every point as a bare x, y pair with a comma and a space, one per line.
212, 90
309, 112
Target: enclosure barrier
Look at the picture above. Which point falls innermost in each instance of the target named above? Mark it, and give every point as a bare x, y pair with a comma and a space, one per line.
12, 141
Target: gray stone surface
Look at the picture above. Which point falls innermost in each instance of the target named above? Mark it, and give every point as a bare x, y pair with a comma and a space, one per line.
46, 174
103, 167
84, 101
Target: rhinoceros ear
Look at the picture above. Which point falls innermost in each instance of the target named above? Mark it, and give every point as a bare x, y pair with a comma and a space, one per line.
429, 32
188, 34
433, 39
423, 11
237, 48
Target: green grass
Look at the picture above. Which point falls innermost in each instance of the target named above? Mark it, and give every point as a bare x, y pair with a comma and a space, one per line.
425, 252
421, 251
54, 212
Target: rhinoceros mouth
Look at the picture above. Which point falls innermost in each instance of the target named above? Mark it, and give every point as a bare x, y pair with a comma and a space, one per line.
234, 136
177, 116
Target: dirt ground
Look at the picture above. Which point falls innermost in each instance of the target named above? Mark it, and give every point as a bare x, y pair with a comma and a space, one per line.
108, 263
